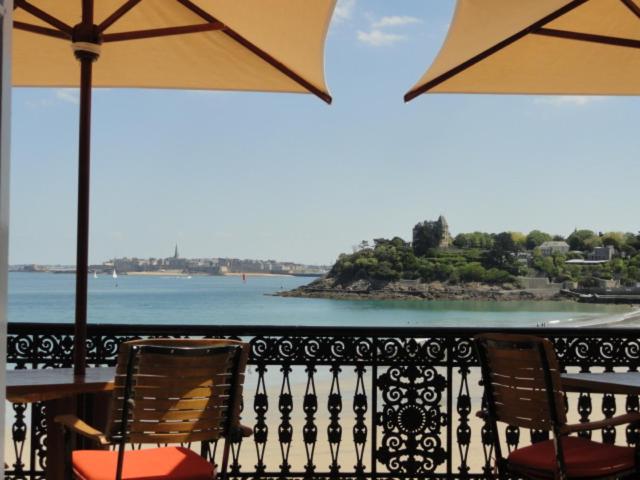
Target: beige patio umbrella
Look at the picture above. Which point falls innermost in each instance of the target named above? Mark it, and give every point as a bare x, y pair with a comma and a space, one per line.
257, 45
580, 47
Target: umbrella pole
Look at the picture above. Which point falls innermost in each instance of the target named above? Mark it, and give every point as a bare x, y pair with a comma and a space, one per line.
86, 46
82, 249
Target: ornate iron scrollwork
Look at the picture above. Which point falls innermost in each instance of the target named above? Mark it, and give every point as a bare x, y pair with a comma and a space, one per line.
411, 419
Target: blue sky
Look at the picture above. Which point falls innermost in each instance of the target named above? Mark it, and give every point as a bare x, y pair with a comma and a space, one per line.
281, 176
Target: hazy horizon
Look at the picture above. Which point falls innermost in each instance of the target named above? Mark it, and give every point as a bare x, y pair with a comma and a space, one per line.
284, 176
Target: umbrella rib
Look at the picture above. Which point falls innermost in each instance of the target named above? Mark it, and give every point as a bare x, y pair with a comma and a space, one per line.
492, 50
631, 5
260, 53
117, 15
588, 37
44, 16
162, 32
50, 32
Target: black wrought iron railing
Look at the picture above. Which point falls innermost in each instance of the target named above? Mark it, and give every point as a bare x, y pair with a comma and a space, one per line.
330, 402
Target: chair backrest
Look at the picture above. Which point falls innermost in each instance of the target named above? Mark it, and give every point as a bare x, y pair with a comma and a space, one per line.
522, 380
177, 390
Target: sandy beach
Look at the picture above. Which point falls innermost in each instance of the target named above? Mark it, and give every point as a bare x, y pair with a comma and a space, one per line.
629, 318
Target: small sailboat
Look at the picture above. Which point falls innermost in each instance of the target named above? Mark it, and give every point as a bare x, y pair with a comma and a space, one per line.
115, 276
95, 274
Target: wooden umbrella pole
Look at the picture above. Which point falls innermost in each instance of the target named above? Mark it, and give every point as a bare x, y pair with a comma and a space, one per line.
82, 249
86, 45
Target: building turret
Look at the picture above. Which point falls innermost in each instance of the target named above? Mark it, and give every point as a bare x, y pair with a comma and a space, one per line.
446, 240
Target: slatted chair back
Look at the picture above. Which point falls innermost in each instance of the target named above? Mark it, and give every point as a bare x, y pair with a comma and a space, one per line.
174, 391
522, 381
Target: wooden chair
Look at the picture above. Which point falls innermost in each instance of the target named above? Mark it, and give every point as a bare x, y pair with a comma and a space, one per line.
521, 376
166, 391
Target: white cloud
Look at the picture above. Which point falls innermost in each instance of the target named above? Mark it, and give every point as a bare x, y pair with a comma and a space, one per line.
344, 10
71, 95
395, 21
378, 35
569, 100
378, 38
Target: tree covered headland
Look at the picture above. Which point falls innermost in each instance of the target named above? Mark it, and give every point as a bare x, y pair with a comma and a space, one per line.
491, 258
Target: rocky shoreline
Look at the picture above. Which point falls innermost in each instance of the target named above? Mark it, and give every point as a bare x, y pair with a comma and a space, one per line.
416, 290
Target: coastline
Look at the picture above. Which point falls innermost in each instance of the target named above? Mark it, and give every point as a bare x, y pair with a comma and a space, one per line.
165, 273
180, 273
235, 274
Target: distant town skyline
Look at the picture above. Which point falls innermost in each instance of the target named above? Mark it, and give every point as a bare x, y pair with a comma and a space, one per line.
175, 255
209, 265
282, 176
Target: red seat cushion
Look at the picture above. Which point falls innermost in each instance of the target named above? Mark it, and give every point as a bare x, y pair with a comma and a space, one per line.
148, 464
583, 458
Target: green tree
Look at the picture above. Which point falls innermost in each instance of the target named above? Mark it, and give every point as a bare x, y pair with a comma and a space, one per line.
426, 236
617, 239
583, 240
535, 238
618, 268
503, 253
519, 239
633, 241
364, 245
633, 274
385, 271
497, 276
472, 272
473, 240
462, 240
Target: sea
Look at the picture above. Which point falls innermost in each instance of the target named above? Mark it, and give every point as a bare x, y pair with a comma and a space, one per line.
230, 300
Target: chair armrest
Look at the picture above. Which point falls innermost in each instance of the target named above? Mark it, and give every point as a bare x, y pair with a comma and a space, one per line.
76, 425
239, 432
482, 415
245, 431
607, 422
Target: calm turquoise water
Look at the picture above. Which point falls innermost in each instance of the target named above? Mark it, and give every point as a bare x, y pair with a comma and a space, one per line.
42, 297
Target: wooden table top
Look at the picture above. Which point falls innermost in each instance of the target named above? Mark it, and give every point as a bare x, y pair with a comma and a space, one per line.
609, 382
27, 386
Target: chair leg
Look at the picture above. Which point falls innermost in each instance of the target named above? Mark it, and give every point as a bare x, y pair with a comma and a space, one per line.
225, 460
69, 438
502, 469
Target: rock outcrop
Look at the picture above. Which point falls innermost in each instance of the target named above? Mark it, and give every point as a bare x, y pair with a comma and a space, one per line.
416, 290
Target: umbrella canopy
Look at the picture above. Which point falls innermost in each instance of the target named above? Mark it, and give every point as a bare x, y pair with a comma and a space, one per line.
585, 47
257, 45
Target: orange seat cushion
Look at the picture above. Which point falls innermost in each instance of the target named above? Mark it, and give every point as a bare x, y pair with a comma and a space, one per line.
583, 458
148, 464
